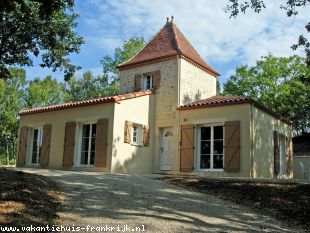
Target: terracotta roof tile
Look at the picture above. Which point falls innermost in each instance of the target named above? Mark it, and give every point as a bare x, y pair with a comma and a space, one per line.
215, 101
101, 100
168, 42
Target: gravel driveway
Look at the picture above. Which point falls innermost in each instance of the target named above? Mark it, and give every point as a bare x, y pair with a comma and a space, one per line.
98, 199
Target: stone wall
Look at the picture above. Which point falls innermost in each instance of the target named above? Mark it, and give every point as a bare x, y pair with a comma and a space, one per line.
196, 84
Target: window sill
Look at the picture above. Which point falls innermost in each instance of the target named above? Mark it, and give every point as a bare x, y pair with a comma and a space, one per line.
83, 165
136, 144
211, 170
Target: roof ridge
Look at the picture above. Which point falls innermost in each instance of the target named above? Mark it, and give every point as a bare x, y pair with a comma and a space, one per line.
179, 50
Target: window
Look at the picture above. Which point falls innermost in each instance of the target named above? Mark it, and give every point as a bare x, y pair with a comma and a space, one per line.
148, 82
88, 141
36, 145
136, 134
210, 147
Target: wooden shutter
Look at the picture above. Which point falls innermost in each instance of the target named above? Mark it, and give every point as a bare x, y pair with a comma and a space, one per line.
22, 149
137, 82
146, 135
156, 79
46, 141
187, 145
127, 132
289, 158
276, 162
101, 147
232, 146
69, 144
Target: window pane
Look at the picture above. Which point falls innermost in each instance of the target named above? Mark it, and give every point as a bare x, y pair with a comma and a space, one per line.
205, 147
92, 157
84, 155
218, 147
35, 134
218, 132
217, 161
34, 157
86, 129
93, 144
205, 161
93, 134
85, 142
205, 133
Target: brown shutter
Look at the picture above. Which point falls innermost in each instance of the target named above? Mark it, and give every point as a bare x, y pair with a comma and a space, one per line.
146, 135
137, 82
187, 148
289, 159
69, 144
156, 79
127, 132
45, 149
22, 149
276, 162
232, 146
101, 147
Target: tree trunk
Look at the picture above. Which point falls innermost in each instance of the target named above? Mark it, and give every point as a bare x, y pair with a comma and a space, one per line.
7, 151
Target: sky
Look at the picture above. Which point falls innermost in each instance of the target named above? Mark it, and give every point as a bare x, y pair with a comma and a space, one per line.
224, 43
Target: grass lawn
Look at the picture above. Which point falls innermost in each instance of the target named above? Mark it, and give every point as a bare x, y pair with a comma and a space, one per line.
287, 202
27, 199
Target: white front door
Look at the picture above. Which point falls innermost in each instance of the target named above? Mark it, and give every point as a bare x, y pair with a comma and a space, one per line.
165, 149
282, 151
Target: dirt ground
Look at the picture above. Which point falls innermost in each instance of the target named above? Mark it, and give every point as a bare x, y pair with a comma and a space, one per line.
100, 199
27, 199
287, 202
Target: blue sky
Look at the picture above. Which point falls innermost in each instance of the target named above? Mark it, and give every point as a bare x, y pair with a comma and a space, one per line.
224, 43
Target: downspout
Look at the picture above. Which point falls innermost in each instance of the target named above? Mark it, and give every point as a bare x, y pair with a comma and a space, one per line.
252, 138
178, 105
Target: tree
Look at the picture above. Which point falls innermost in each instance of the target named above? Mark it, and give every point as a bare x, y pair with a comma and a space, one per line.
218, 87
44, 92
33, 27
129, 48
88, 87
12, 92
291, 7
281, 84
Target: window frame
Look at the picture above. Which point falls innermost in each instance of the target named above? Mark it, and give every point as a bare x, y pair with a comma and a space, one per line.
145, 77
198, 146
79, 152
39, 145
138, 136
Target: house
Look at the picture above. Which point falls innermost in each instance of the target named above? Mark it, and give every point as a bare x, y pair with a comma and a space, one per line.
166, 119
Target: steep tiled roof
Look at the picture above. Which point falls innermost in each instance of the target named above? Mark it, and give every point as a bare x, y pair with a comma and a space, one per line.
102, 100
167, 43
215, 101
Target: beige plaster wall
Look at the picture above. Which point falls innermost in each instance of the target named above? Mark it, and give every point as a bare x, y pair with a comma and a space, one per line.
195, 83
221, 114
263, 146
58, 119
128, 158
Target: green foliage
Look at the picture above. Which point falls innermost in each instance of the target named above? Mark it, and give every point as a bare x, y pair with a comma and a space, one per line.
89, 86
44, 92
281, 84
218, 87
291, 7
32, 28
129, 48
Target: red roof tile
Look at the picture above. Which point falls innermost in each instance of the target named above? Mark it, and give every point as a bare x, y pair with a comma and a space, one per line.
215, 101
101, 100
168, 42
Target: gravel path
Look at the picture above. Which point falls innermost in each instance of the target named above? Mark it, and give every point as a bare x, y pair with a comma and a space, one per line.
99, 199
